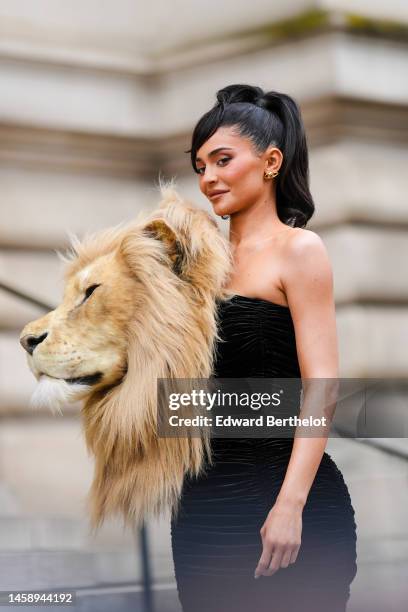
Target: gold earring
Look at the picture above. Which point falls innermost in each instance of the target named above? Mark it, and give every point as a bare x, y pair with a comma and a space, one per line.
269, 175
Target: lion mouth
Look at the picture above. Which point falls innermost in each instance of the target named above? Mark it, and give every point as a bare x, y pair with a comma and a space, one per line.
89, 379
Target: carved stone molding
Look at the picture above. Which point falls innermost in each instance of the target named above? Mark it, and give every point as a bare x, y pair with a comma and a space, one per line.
327, 119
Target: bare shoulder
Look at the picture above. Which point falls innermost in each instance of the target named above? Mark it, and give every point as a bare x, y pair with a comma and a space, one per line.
308, 285
307, 272
300, 238
304, 247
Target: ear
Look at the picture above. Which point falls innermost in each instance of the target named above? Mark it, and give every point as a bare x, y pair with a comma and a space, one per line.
161, 230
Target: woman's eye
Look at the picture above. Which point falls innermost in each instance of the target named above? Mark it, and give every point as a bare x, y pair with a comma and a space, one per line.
222, 161
89, 291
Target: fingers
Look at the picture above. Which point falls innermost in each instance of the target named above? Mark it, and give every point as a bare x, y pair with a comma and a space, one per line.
294, 554
274, 558
286, 557
276, 562
264, 561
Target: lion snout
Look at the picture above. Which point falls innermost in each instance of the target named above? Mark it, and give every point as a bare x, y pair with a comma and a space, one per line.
30, 341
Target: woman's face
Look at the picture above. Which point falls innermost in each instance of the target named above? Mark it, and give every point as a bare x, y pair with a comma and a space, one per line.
231, 173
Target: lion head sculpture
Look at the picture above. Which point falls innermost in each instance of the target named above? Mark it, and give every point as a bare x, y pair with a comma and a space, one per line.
139, 304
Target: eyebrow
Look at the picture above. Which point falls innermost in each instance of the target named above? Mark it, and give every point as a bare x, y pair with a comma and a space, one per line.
214, 152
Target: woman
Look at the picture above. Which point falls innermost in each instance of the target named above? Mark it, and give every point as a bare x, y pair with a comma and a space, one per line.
269, 526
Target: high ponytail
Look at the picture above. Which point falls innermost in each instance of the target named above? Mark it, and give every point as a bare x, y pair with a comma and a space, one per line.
239, 93
268, 119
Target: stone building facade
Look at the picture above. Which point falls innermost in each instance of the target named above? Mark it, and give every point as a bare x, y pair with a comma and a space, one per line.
97, 102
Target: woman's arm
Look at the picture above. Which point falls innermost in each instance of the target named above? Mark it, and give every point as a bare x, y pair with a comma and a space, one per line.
308, 284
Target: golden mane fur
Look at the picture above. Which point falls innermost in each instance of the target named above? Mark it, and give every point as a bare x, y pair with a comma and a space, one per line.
174, 265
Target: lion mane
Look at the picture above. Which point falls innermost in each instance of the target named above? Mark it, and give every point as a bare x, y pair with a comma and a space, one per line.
178, 262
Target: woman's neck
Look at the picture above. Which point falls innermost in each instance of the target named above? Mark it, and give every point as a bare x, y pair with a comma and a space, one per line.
259, 222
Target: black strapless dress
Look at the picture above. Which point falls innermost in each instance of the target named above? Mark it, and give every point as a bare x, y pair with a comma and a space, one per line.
215, 536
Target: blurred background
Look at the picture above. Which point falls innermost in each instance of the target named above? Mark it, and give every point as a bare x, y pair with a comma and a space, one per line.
97, 99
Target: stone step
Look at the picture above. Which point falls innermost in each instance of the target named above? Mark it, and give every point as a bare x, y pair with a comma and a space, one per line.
45, 552
120, 598
378, 586
53, 569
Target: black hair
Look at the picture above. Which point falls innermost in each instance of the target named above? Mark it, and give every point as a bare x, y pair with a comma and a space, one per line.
267, 119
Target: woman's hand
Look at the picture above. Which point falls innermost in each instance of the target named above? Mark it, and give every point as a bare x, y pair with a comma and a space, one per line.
281, 538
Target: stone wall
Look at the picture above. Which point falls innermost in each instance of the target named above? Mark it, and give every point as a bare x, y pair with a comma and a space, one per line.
88, 120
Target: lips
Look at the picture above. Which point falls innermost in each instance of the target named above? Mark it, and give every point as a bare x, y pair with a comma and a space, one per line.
89, 379
214, 194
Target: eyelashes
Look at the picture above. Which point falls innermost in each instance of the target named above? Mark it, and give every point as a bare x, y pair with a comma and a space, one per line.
224, 161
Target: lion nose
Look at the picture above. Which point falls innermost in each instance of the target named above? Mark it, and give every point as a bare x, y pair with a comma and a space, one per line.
29, 342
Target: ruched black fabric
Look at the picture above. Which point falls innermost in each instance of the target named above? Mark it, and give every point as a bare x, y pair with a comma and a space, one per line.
215, 535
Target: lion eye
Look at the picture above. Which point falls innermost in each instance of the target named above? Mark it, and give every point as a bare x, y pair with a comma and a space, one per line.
89, 291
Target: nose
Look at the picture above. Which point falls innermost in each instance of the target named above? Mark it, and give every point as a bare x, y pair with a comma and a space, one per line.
209, 175
29, 342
